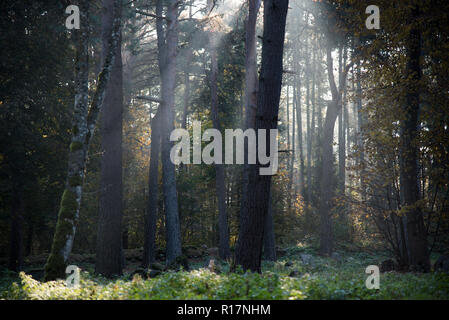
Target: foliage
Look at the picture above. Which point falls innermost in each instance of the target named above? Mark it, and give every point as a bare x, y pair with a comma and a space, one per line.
323, 278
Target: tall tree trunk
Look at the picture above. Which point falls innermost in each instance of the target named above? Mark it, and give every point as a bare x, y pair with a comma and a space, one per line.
109, 234
84, 123
149, 248
291, 147
309, 130
288, 118
269, 243
293, 155
416, 233
326, 194
223, 229
29, 240
16, 232
327, 171
251, 81
189, 57
249, 245
297, 102
361, 123
167, 63
342, 131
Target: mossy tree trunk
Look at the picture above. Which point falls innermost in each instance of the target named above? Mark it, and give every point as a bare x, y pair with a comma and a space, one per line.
84, 122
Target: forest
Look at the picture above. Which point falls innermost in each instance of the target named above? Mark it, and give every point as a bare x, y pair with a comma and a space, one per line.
212, 149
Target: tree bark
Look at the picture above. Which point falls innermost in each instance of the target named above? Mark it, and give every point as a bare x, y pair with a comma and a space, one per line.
327, 170
251, 80
300, 138
419, 259
269, 243
109, 235
342, 131
149, 248
167, 45
249, 245
223, 229
16, 232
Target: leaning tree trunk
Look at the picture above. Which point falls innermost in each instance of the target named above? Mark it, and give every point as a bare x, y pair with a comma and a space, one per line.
249, 245
167, 62
84, 123
109, 235
416, 233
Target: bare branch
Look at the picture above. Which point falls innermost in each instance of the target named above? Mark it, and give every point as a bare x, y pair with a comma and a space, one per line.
152, 99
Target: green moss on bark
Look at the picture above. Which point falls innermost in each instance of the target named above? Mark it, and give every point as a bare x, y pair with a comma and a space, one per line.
75, 145
55, 266
75, 181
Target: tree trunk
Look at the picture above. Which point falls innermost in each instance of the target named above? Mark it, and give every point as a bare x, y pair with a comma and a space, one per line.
309, 133
251, 80
361, 123
109, 234
300, 139
223, 229
292, 199
16, 232
167, 64
249, 245
149, 248
326, 188
269, 243
416, 233
84, 123
327, 170
342, 132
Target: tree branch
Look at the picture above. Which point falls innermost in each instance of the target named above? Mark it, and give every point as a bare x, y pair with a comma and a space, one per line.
152, 99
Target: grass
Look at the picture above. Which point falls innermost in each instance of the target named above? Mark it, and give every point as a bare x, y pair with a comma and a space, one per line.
299, 274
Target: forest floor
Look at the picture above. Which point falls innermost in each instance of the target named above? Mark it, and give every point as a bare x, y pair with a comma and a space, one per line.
300, 273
